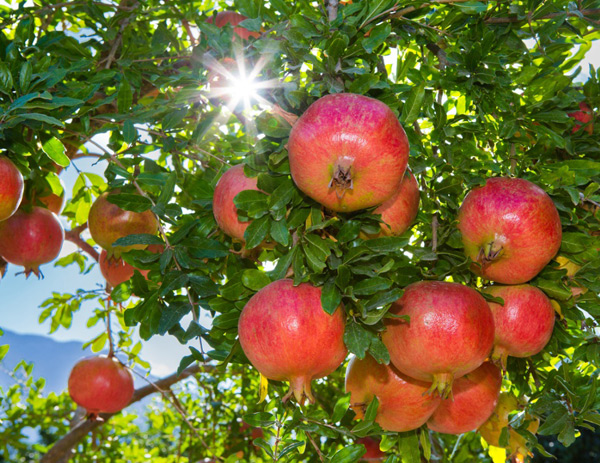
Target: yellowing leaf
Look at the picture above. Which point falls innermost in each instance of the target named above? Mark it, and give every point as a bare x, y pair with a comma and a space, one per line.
557, 308
264, 388
497, 454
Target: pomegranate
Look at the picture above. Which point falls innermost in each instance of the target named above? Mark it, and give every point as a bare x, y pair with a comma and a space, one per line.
101, 385
372, 449
287, 336
510, 229
403, 402
108, 222
31, 239
348, 152
11, 188
399, 212
524, 324
233, 18
229, 185
585, 115
450, 333
116, 271
474, 397
52, 201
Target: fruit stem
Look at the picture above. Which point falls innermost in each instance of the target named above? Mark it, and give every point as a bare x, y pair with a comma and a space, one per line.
300, 389
500, 357
442, 385
341, 179
489, 252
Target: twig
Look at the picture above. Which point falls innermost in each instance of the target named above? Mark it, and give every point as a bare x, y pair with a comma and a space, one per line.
332, 10
434, 232
314, 445
74, 237
123, 24
586, 12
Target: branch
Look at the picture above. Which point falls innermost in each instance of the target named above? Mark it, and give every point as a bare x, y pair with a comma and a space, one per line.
74, 237
66, 443
332, 10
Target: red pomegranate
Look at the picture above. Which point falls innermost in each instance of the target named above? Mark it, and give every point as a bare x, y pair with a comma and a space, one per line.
31, 239
229, 185
474, 398
450, 333
11, 188
399, 212
233, 18
101, 385
403, 402
523, 324
510, 229
372, 449
287, 336
348, 152
108, 222
116, 271
585, 116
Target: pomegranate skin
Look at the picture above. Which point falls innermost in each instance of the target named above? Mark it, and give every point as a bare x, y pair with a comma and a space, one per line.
116, 271
403, 402
372, 452
400, 211
100, 385
287, 336
348, 152
233, 18
524, 324
31, 239
474, 398
450, 333
229, 185
510, 229
11, 188
107, 223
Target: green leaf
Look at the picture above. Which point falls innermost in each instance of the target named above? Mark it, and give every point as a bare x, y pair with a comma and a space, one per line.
167, 191
6, 80
260, 419
386, 244
279, 232
255, 279
330, 296
377, 36
172, 315
129, 132
55, 150
3, 351
340, 408
378, 351
25, 76
130, 201
371, 286
413, 105
472, 7
257, 232
408, 447
140, 238
425, 443
349, 454
124, 96
255, 203
357, 339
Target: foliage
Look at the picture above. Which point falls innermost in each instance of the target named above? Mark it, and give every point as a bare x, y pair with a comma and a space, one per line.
482, 89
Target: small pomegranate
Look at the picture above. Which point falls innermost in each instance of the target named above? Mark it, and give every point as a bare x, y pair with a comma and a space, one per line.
11, 188
348, 152
474, 397
287, 336
450, 333
399, 212
233, 18
229, 185
585, 115
372, 449
107, 223
116, 271
101, 385
524, 324
403, 402
510, 229
31, 239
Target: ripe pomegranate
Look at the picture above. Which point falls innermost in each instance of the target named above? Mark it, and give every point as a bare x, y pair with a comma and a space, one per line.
31, 239
403, 402
348, 152
11, 188
233, 18
399, 212
585, 116
372, 449
450, 333
116, 271
524, 324
474, 397
287, 336
101, 385
229, 185
108, 222
510, 229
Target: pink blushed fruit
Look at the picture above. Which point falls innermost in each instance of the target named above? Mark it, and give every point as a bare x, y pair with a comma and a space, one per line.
11, 188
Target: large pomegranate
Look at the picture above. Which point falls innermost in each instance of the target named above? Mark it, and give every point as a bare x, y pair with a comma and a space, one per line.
510, 229
229, 185
11, 188
399, 212
31, 239
474, 397
450, 333
108, 222
403, 402
524, 324
287, 336
233, 18
348, 152
101, 385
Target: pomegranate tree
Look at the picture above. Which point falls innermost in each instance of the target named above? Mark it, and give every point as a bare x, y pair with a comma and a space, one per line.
403, 402
510, 229
287, 336
450, 333
348, 152
524, 324
231, 17
474, 397
399, 212
101, 385
229, 185
31, 239
108, 222
11, 188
